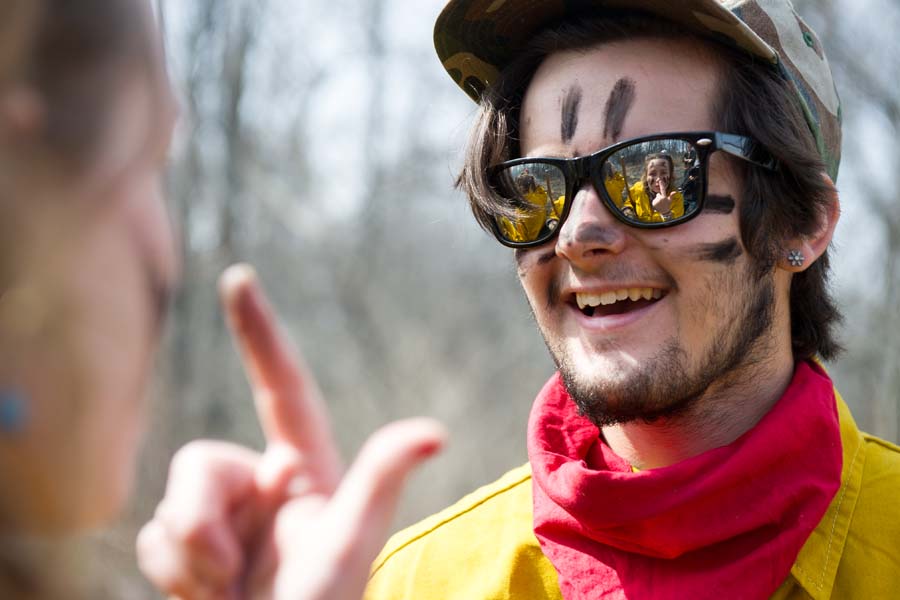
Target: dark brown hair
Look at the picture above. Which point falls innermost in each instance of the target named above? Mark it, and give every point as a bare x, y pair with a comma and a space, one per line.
752, 99
73, 53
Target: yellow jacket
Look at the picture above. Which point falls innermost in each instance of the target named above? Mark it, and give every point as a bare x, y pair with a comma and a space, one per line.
528, 227
483, 546
615, 187
641, 203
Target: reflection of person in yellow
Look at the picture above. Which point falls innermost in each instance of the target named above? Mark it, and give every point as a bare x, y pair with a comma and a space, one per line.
529, 225
614, 182
657, 180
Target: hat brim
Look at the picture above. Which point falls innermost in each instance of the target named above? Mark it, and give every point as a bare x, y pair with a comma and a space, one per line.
476, 39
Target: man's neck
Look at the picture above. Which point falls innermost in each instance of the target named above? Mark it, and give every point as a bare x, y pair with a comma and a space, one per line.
723, 414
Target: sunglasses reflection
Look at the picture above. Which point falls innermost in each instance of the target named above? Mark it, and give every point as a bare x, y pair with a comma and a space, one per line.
654, 185
654, 181
655, 198
540, 195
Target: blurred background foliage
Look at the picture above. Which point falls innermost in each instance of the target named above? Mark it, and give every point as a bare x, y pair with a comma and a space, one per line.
319, 142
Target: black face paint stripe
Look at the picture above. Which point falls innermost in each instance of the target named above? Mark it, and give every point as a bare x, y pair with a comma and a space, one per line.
719, 204
726, 251
571, 104
619, 103
542, 259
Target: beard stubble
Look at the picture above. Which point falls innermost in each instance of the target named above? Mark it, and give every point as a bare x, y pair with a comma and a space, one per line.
666, 385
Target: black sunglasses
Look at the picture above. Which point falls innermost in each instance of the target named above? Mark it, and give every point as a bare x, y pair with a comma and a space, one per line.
647, 182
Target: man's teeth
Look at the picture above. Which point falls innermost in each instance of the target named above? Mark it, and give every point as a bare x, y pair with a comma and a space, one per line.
614, 296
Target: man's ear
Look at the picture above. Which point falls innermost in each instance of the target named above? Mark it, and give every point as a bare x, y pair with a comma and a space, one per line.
801, 252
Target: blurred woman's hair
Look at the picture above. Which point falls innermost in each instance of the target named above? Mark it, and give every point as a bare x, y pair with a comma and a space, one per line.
63, 62
71, 55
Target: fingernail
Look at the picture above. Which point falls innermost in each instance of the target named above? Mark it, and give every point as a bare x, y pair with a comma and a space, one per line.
236, 275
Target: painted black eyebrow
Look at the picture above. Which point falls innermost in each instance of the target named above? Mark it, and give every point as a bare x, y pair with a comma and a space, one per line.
571, 104
621, 98
719, 204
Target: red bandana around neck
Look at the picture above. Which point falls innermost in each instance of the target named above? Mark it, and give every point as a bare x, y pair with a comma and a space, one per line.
728, 523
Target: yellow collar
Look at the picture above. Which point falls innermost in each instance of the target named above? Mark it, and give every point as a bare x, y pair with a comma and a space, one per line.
816, 565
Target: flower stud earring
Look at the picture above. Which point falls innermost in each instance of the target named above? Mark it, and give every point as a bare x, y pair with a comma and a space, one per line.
796, 258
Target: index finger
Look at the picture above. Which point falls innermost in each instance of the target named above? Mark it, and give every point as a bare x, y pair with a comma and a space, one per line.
290, 407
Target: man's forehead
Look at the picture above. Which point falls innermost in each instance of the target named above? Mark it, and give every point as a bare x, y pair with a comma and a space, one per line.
636, 58
619, 90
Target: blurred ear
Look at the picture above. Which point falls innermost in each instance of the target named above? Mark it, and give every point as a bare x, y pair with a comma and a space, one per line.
812, 246
21, 112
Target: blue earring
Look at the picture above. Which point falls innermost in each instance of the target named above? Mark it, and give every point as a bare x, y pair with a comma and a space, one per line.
12, 411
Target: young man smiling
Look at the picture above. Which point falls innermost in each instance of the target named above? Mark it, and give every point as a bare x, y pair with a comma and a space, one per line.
690, 446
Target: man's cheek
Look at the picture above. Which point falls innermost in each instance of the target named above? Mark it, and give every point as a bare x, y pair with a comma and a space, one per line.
542, 290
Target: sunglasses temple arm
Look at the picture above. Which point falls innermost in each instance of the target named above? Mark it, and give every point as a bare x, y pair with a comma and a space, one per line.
746, 149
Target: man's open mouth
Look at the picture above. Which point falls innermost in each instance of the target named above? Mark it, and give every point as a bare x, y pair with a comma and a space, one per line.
617, 302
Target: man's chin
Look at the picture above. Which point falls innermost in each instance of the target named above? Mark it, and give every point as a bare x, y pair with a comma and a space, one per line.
622, 402
612, 366
618, 388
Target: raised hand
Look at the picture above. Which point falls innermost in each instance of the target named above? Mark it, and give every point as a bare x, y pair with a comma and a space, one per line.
662, 203
288, 522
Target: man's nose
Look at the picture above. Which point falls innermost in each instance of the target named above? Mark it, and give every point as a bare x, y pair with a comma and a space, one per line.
590, 232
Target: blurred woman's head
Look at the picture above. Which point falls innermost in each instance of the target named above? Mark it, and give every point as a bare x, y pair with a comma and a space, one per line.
86, 252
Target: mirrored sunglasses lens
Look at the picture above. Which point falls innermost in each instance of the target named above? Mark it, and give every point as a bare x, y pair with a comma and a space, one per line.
654, 181
533, 196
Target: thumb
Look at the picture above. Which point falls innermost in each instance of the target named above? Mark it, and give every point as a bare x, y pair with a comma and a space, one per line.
334, 541
368, 496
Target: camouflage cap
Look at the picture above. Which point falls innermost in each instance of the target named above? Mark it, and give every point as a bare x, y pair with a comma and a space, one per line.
476, 39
